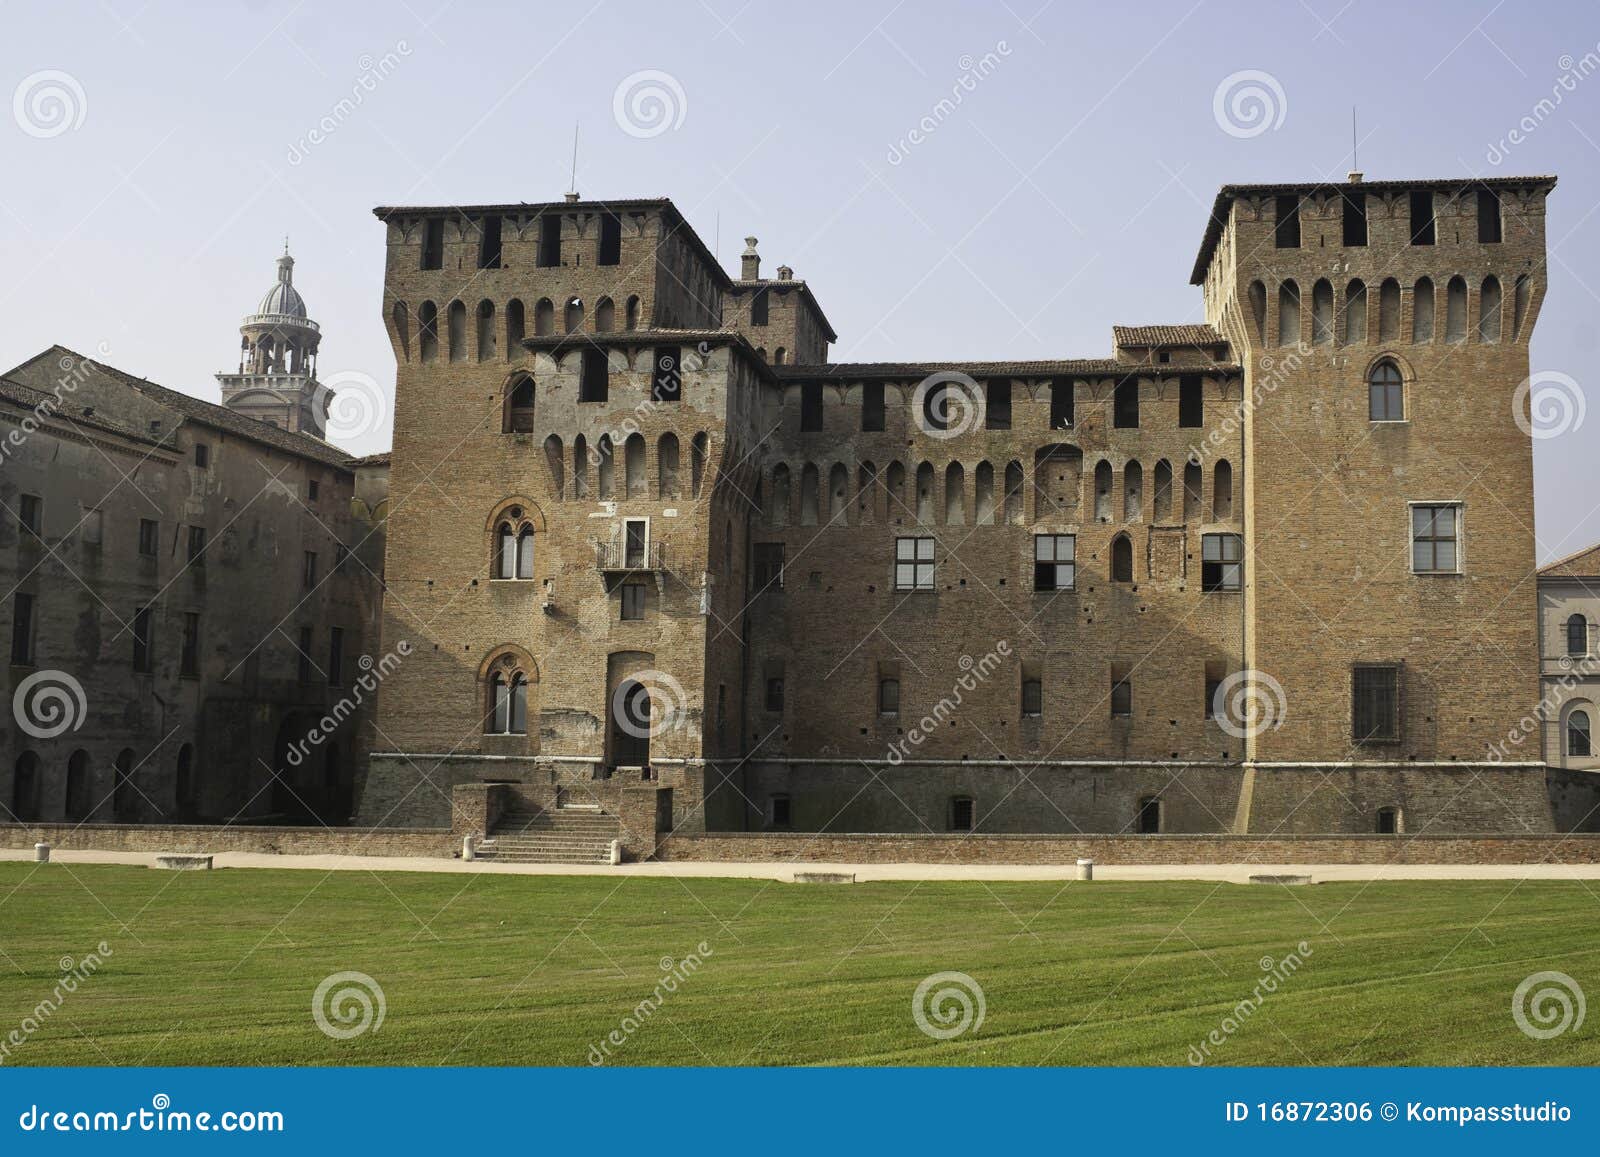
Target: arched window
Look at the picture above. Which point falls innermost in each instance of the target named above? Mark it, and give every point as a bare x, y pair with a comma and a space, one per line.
1121, 559
955, 495
866, 491
513, 545
606, 467
506, 538
1579, 739
667, 465
1455, 310
525, 553
1102, 491
631, 314
580, 467
516, 330
458, 332
1521, 297
518, 414
78, 787
1191, 492
573, 318
1163, 500
556, 461
1489, 310
428, 331
778, 355
544, 317
1321, 312
1386, 393
1258, 314
402, 329
808, 495
699, 450
184, 786
1014, 511
633, 479
1577, 635
924, 486
983, 494
25, 788
605, 316
1132, 492
1288, 314
506, 708
838, 495
1355, 313
779, 510
1422, 312
485, 331
124, 796
1222, 491
1389, 310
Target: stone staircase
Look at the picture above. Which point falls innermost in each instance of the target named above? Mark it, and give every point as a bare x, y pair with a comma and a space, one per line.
577, 834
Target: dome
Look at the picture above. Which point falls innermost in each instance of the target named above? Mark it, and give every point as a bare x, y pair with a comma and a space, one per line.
283, 299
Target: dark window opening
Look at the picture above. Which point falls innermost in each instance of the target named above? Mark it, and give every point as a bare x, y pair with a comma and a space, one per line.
313, 487
142, 658
961, 814
1053, 562
775, 695
22, 630
1032, 698
1125, 405
1355, 217
548, 255
1375, 703
202, 455
149, 537
635, 538
1149, 816
489, 247
309, 570
189, 655
766, 571
610, 240
872, 407
1061, 416
997, 405
632, 602
1580, 741
1121, 692
433, 243
810, 407
519, 411
1388, 821
1286, 234
667, 384
336, 656
780, 811
1191, 401
197, 546
303, 656
1221, 562
1121, 559
594, 381
758, 308
888, 696
1422, 231
1577, 635
29, 513
1489, 228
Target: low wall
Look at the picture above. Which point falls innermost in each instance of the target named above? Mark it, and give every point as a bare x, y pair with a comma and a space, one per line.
761, 847
207, 839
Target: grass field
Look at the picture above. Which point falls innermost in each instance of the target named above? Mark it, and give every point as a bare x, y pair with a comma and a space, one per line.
220, 968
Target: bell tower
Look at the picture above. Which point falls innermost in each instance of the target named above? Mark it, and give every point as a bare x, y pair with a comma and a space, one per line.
276, 381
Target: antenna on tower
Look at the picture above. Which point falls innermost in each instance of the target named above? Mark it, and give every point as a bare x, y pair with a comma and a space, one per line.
572, 189
1355, 145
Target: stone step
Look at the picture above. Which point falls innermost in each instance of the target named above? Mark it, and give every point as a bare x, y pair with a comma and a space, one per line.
543, 857
555, 843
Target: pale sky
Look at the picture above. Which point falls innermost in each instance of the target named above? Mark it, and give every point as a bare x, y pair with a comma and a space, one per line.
157, 154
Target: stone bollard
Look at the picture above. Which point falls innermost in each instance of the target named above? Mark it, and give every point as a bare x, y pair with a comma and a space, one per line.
616, 851
41, 853
469, 847
1085, 869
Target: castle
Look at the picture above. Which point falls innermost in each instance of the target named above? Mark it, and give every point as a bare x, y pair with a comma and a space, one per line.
656, 556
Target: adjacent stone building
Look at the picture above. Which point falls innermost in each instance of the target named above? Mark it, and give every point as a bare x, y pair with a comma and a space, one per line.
1569, 660
190, 590
656, 555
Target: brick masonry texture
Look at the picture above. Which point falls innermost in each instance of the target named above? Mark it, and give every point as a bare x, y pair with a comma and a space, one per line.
203, 839
769, 678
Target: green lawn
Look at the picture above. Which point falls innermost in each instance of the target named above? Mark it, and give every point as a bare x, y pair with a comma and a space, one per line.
220, 968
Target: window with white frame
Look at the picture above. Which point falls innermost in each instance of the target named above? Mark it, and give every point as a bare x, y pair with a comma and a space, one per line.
913, 564
1435, 538
1053, 562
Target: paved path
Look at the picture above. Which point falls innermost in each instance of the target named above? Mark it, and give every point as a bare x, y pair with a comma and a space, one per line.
1234, 873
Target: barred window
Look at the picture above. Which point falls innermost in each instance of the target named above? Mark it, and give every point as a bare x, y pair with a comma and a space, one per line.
1221, 562
1375, 703
1434, 537
913, 564
1053, 565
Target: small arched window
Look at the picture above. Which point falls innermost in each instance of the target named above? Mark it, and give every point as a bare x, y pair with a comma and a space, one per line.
1386, 393
513, 546
1580, 740
1577, 635
631, 314
574, 314
1121, 559
506, 711
518, 415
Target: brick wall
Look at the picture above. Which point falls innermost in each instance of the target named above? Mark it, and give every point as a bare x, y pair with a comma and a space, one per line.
316, 841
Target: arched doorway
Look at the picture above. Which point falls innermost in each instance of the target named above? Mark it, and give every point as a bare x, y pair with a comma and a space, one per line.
124, 796
78, 802
631, 724
184, 793
25, 788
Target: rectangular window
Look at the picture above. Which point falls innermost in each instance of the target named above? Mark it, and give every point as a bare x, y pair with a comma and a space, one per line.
594, 380
1435, 534
1489, 229
149, 537
1053, 561
189, 657
872, 407
780, 811
433, 243
143, 659
313, 489
1386, 395
1121, 690
888, 696
1286, 234
913, 564
342, 552
1375, 703
303, 656
810, 407
1221, 562
549, 255
997, 405
766, 572
961, 814
489, 248
610, 240
1125, 405
1355, 217
22, 630
775, 695
1061, 415
336, 656
1216, 673
1032, 698
308, 570
93, 527
202, 455
197, 546
1422, 217
632, 602
1191, 401
667, 383
30, 511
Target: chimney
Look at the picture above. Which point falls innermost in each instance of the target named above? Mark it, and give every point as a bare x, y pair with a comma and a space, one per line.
749, 261
1354, 176
572, 197
785, 273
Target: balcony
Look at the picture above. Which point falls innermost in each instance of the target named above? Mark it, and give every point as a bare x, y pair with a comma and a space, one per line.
629, 558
